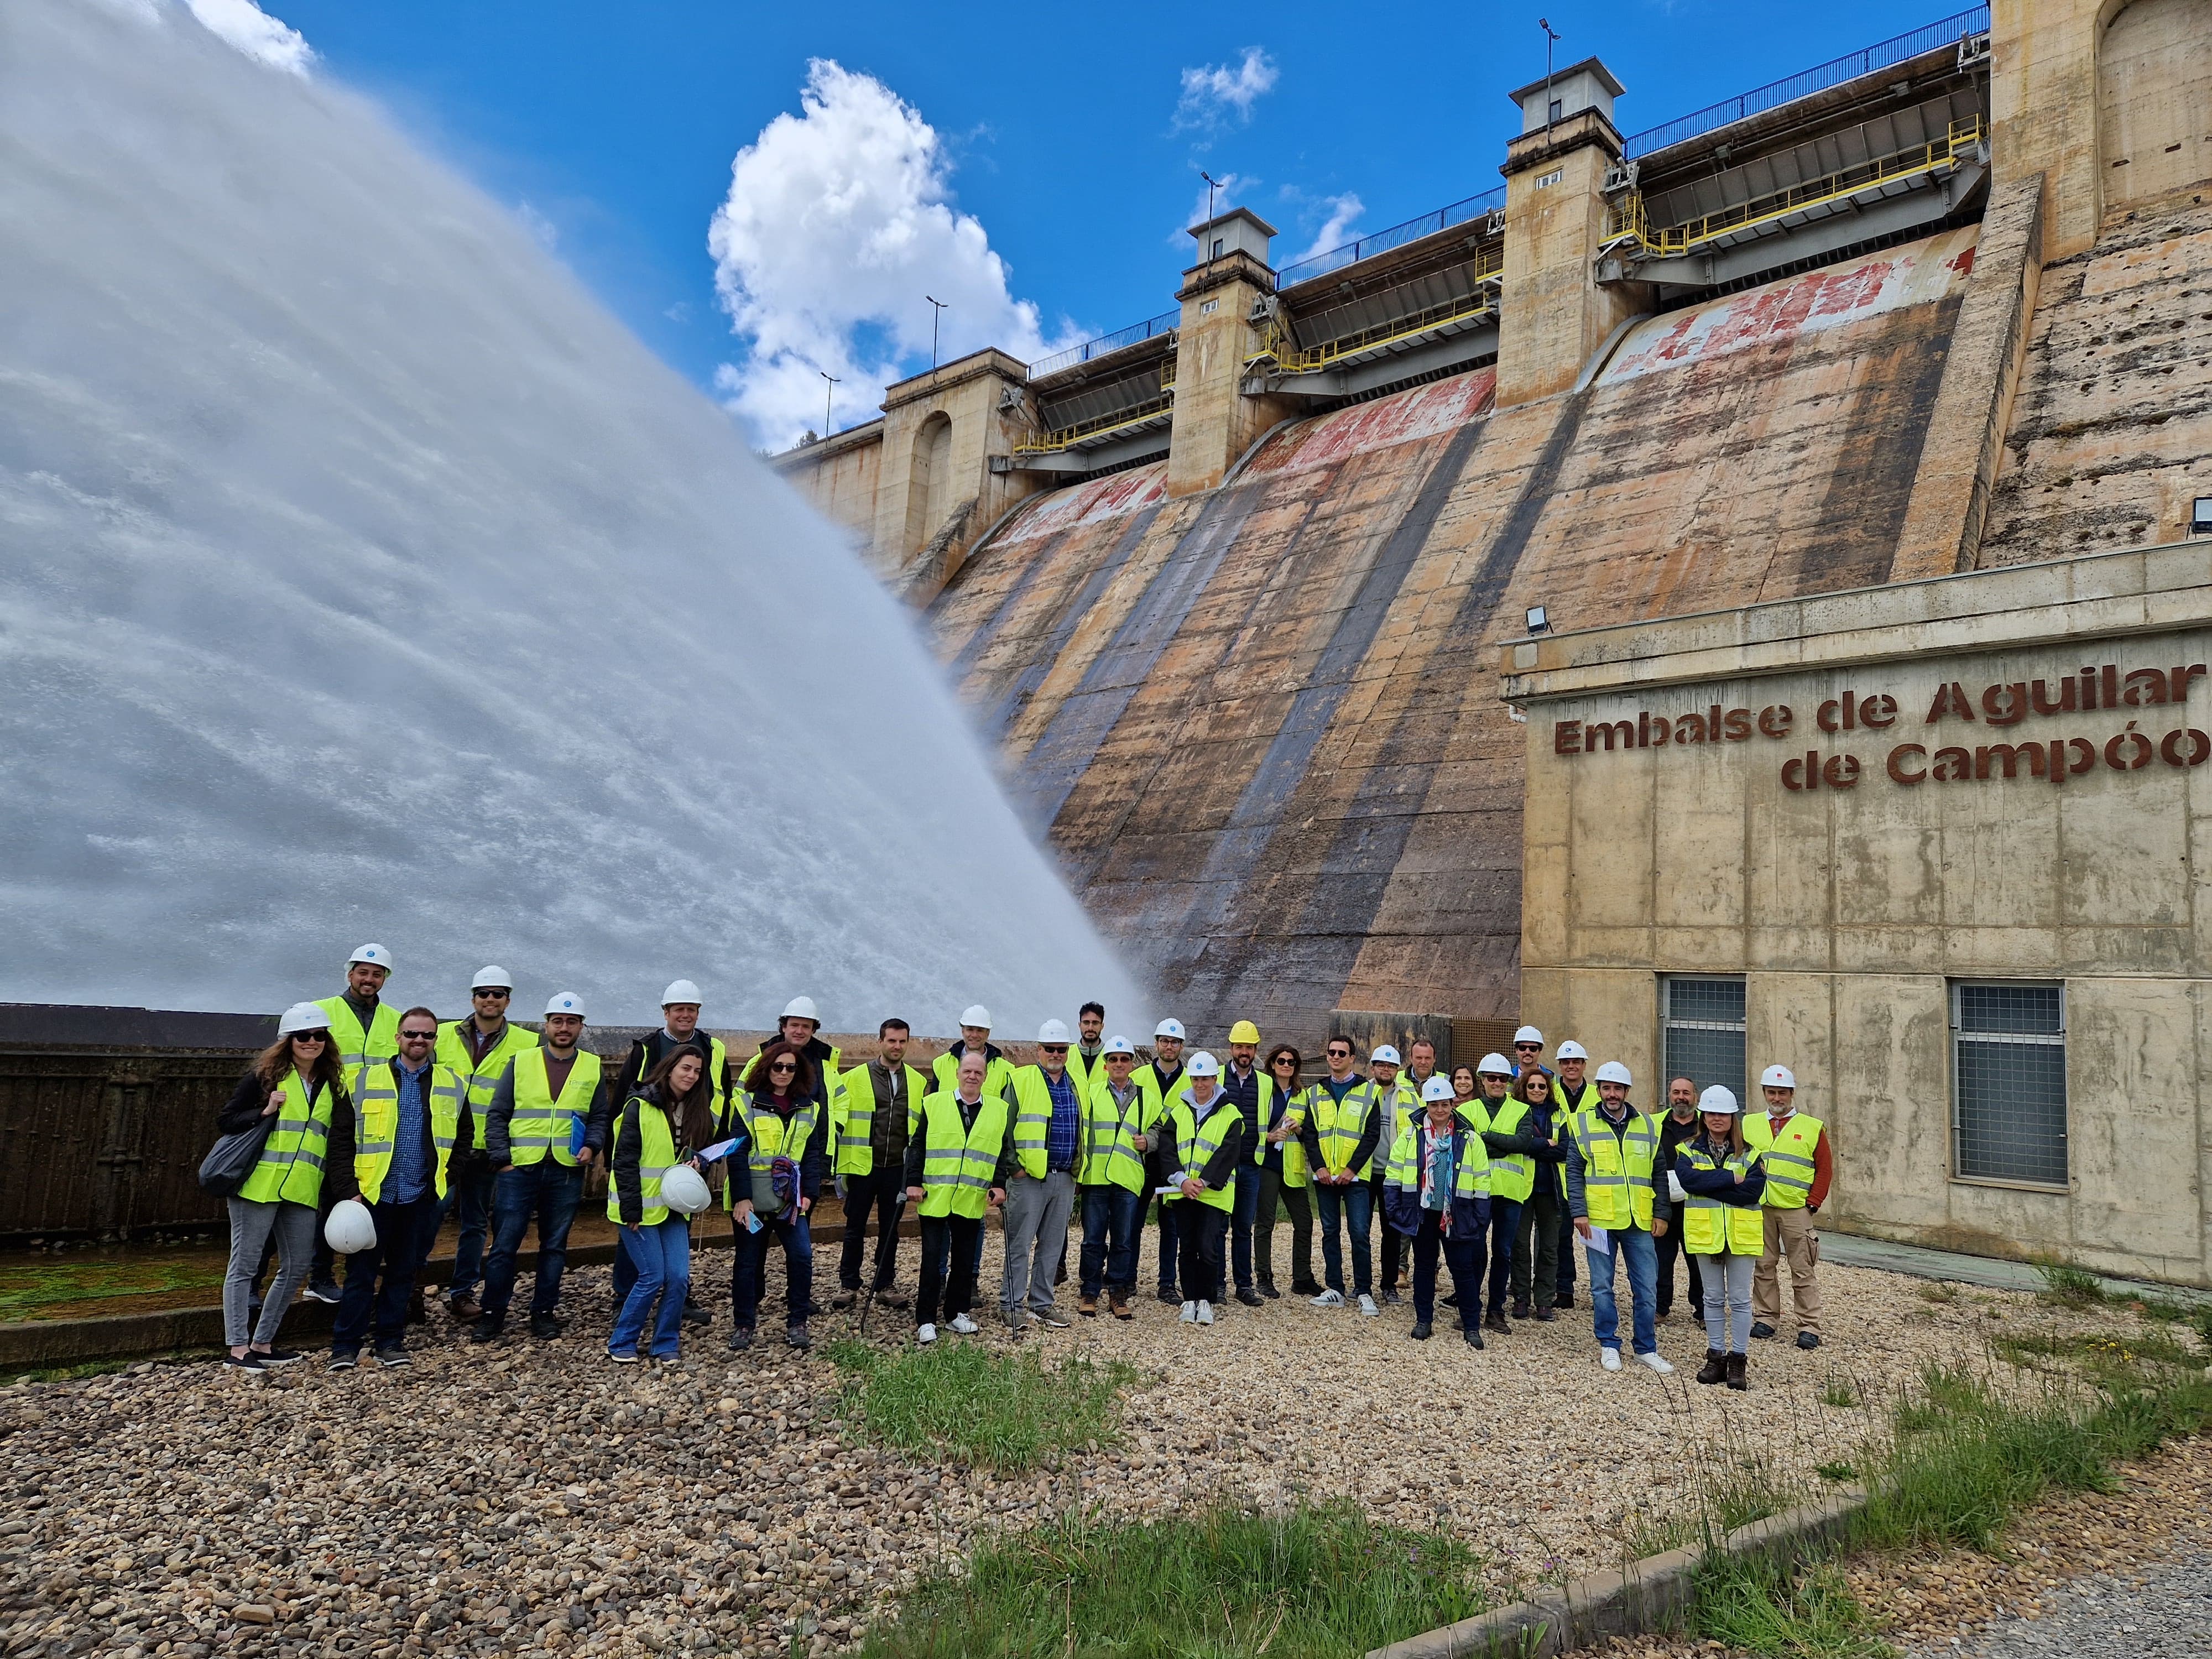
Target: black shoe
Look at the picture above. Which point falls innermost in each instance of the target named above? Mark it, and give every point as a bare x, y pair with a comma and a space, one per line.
1522, 1309
277, 1357
846, 1298
1546, 1315
1738, 1364
1762, 1330
1496, 1322
1306, 1287
1421, 1331
797, 1337
1391, 1296
544, 1326
1809, 1340
1168, 1294
1449, 1299
1272, 1294
1715, 1369
416, 1312
392, 1354
251, 1361
1565, 1299
1473, 1337
741, 1338
490, 1328
696, 1314
345, 1360
1251, 1298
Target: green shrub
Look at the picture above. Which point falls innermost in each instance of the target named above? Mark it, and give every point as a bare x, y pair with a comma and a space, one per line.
967, 1403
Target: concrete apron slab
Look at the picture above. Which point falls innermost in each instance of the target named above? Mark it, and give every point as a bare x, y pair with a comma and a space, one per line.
1654, 1593
1990, 1273
37, 1344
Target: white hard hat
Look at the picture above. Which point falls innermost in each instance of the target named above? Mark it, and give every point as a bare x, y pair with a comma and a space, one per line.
566, 1003
1386, 1055
1571, 1049
681, 990
802, 1008
1118, 1045
1718, 1100
683, 1190
1494, 1065
1169, 1028
490, 978
1529, 1034
1778, 1076
1053, 1031
1203, 1064
1436, 1088
977, 1015
350, 1228
376, 955
302, 1017
1611, 1072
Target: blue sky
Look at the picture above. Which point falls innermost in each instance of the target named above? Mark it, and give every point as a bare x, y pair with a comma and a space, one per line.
1071, 138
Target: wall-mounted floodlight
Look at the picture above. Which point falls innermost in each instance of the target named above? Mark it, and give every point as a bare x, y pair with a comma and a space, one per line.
1538, 622
2200, 520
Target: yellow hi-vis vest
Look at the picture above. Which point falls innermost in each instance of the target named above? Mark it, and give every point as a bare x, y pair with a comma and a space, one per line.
1197, 1139
1294, 1152
945, 1073
1789, 1165
853, 1118
481, 1077
656, 1156
1108, 1151
1513, 1176
1711, 1224
1033, 1116
291, 1167
1340, 1123
542, 1124
376, 1124
1616, 1169
767, 1135
355, 1047
1470, 1175
1084, 1072
957, 1164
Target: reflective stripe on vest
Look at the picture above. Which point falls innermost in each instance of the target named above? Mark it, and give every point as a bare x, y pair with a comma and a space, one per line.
1790, 1166
357, 1047
1512, 1175
957, 1164
1338, 1124
376, 1124
1705, 1230
1616, 1169
1033, 1118
1196, 1142
1108, 1151
291, 1166
1471, 1166
1266, 1117
481, 1077
769, 1135
540, 1124
656, 1156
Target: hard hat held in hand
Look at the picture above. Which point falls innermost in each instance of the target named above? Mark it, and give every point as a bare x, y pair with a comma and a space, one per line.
350, 1228
683, 1190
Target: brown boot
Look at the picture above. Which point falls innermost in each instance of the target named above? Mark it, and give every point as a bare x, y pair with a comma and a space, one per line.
1736, 1379
466, 1308
1118, 1302
1087, 1306
1715, 1368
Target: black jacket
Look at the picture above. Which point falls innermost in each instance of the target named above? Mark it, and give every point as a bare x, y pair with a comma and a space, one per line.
818, 1054
243, 1110
650, 1050
1671, 1137
628, 1143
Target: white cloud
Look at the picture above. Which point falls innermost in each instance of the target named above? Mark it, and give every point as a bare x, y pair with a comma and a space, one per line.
547, 234
1344, 212
1214, 92
255, 33
838, 221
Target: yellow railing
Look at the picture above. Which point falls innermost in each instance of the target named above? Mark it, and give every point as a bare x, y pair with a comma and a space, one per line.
1488, 265
1044, 443
1626, 222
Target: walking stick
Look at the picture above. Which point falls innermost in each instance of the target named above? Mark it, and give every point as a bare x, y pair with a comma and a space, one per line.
868, 1303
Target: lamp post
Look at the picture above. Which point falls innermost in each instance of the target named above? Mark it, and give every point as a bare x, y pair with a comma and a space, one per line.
1551, 40
935, 317
1212, 185
828, 392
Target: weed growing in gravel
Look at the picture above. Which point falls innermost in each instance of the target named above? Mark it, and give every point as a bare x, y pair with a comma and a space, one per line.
1733, 1486
2098, 1354
2070, 1286
1839, 1392
967, 1403
1946, 1292
1754, 1604
1321, 1580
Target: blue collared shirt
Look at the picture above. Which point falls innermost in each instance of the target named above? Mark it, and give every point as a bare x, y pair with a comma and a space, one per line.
404, 1181
1067, 1124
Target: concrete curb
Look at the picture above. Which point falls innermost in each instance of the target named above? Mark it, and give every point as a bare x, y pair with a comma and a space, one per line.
1653, 1594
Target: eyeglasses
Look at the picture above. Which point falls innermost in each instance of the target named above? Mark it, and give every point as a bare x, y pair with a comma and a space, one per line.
783, 1066
1052, 1047
495, 995
311, 1036
1529, 1047
1340, 1054
418, 1037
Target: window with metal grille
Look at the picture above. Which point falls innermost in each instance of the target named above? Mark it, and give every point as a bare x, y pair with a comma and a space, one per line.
2008, 1067
1701, 1019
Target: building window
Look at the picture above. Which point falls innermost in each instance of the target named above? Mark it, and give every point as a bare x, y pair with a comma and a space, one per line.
2008, 1063
1702, 1020
1558, 104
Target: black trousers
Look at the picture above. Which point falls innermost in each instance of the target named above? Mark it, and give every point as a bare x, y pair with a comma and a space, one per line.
1394, 1242
1463, 1257
950, 1247
1536, 1252
1669, 1247
882, 1196
1199, 1231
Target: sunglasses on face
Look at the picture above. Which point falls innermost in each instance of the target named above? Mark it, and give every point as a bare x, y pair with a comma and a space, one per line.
782, 1066
497, 996
418, 1037
311, 1036
1529, 1047
1052, 1047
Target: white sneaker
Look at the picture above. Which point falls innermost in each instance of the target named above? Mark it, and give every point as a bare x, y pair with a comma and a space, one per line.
1609, 1357
926, 1335
1329, 1299
1205, 1313
964, 1326
1189, 1313
1367, 1306
1657, 1364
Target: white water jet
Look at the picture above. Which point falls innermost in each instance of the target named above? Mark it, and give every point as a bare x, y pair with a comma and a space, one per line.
361, 577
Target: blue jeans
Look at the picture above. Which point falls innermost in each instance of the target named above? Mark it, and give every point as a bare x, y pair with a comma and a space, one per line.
546, 1191
404, 1232
1504, 1224
661, 1256
796, 1238
469, 1191
1241, 1219
1642, 1287
1356, 1204
1111, 1216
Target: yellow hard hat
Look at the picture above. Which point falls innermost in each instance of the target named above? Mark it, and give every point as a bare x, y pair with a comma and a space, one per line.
1243, 1031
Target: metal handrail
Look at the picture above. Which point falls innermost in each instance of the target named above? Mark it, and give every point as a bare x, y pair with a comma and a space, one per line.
1044, 443
1307, 359
1381, 241
1625, 221
1944, 32
1165, 323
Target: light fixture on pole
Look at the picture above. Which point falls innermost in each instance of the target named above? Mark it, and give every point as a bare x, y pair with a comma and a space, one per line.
828, 392
935, 317
1551, 40
1212, 185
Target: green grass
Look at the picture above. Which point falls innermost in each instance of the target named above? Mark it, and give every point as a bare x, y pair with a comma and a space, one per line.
1755, 1604
966, 1403
1839, 1393
1220, 1585
1734, 1487
2070, 1286
1946, 1292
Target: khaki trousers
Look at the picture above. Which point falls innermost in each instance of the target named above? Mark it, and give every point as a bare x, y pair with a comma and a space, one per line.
1789, 1232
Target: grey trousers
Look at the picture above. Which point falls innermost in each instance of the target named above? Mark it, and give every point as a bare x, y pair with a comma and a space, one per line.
1036, 1233
252, 1224
1726, 1279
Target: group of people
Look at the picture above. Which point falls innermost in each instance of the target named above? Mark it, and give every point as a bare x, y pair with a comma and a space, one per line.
1499, 1170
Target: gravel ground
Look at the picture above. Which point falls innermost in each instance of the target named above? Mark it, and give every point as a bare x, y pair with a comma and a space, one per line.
535, 1498
2165, 1612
